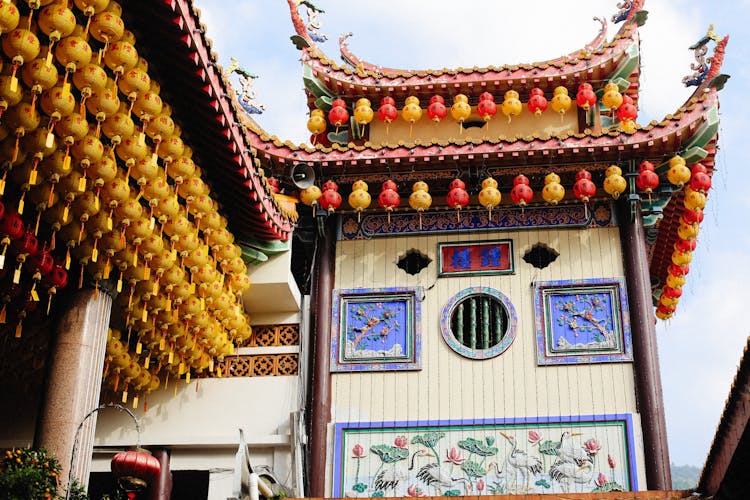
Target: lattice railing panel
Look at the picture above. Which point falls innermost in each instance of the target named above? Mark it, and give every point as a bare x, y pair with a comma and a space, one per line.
258, 365
273, 335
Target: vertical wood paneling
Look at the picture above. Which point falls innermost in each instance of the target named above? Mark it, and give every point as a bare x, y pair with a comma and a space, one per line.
510, 385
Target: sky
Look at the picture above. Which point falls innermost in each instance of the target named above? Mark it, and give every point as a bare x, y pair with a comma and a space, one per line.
701, 346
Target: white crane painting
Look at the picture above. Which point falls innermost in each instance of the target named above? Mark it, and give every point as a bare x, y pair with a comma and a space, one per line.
486, 461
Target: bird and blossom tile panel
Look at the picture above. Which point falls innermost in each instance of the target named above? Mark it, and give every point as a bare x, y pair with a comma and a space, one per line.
582, 321
491, 457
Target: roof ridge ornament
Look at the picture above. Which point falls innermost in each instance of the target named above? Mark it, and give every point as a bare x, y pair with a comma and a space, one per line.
628, 10
707, 68
247, 95
308, 32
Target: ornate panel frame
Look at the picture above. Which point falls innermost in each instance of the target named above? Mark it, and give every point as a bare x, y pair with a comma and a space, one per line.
467, 258
376, 329
581, 453
582, 321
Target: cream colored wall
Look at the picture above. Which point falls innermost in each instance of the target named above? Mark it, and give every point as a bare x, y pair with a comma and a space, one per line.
450, 387
522, 125
200, 427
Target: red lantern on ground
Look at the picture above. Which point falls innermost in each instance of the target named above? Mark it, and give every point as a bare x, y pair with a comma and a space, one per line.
457, 196
585, 97
389, 198
521, 194
330, 200
436, 111
135, 469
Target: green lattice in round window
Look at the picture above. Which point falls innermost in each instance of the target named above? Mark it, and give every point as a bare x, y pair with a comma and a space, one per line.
479, 322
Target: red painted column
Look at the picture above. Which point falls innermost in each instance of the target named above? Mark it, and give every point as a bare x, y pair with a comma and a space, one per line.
161, 489
645, 350
321, 374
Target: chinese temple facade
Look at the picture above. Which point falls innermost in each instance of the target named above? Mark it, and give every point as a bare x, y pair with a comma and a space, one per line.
450, 291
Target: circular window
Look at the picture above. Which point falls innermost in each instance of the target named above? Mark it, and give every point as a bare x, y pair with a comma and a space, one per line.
479, 322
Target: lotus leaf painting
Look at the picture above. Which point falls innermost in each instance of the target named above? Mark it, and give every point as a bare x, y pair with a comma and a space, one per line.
488, 458
376, 329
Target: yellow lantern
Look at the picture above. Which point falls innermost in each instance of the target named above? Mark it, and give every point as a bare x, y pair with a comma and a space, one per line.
147, 106
411, 111
9, 17
460, 110
363, 113
694, 200
681, 258
118, 126
316, 124
114, 193
133, 82
359, 198
678, 173
57, 103
120, 57
511, 104
103, 171
21, 119
71, 128
490, 196
39, 76
614, 182
21, 46
56, 21
420, 199
180, 169
72, 52
561, 101
310, 196
131, 150
676, 281
553, 191
687, 231
612, 97
107, 27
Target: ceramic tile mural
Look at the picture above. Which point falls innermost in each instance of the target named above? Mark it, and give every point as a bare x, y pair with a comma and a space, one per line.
376, 329
488, 457
582, 321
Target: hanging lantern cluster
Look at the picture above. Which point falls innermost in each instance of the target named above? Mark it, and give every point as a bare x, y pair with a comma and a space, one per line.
696, 182
99, 178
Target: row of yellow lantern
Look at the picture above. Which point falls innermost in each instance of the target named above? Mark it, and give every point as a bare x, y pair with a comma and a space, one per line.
86, 198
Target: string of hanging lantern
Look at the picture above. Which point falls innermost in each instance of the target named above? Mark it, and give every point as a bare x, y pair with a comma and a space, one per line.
98, 182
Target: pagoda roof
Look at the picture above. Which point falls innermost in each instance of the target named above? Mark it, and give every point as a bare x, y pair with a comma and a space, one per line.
596, 61
173, 40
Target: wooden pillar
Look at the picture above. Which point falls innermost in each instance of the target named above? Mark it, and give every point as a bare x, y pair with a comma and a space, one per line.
74, 380
645, 350
161, 488
321, 374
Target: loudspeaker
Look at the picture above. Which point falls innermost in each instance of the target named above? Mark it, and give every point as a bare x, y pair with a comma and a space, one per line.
303, 175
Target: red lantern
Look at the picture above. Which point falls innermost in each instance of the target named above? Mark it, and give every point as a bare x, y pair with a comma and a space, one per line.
647, 180
42, 263
627, 110
135, 469
521, 194
676, 270
672, 293
698, 167
686, 245
537, 102
321, 139
486, 108
585, 97
387, 111
436, 111
700, 181
330, 199
338, 115
57, 279
457, 196
584, 189
665, 310
692, 216
389, 198
11, 229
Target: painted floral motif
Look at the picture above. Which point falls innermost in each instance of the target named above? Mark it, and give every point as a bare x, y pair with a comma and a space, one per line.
437, 463
585, 321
